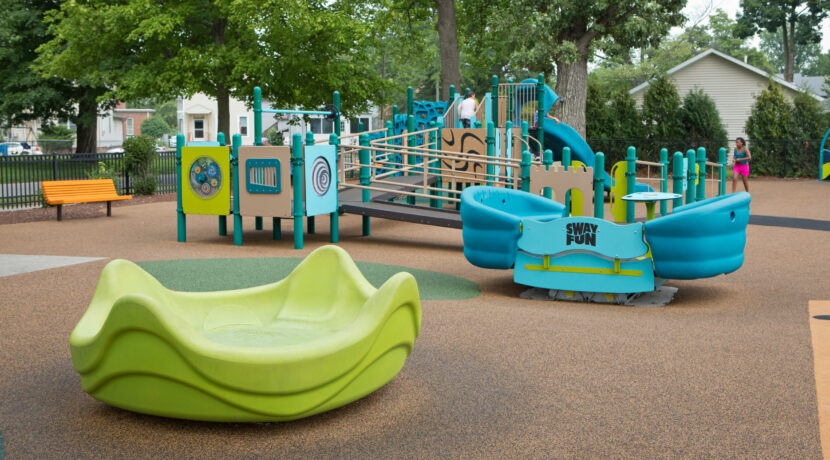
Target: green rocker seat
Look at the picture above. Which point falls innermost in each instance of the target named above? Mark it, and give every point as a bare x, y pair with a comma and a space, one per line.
320, 338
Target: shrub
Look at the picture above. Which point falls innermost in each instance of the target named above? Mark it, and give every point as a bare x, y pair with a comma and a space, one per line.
139, 153
55, 138
771, 119
598, 122
808, 124
154, 127
103, 171
661, 109
275, 137
701, 122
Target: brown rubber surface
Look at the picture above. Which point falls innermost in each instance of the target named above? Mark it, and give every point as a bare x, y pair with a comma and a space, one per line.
726, 370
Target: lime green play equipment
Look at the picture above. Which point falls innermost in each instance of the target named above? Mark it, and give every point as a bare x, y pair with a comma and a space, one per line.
316, 340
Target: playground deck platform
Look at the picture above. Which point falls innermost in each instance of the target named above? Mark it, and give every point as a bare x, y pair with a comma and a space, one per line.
726, 370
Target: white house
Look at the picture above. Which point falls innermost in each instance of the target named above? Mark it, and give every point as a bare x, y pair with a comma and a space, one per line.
731, 83
199, 121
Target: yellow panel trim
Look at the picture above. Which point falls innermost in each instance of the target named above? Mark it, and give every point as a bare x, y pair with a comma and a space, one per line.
547, 267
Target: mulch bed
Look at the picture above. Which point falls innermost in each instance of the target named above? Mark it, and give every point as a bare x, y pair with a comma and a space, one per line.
76, 211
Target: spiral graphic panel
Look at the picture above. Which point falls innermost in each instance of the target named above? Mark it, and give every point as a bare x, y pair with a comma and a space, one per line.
205, 181
320, 189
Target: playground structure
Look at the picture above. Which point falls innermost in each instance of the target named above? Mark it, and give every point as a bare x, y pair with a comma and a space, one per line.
824, 158
416, 171
277, 352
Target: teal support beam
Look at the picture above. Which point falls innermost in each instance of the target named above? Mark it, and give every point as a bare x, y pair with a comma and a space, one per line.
335, 97
390, 131
691, 176
477, 124
439, 184
360, 127
452, 95
410, 101
566, 163
236, 142
334, 221
181, 220
677, 179
494, 101
508, 150
410, 159
490, 140
525, 164
630, 182
547, 161
722, 176
309, 140
297, 171
599, 185
258, 223
509, 111
525, 137
223, 220
433, 203
701, 183
365, 180
276, 228
664, 179
540, 111
257, 116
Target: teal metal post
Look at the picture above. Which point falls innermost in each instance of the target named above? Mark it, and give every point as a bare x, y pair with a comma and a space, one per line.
257, 116
540, 111
701, 183
525, 136
494, 101
508, 150
630, 182
439, 183
433, 203
258, 223
181, 220
335, 216
410, 158
490, 140
297, 171
525, 171
223, 220
566, 163
309, 141
365, 175
677, 179
599, 185
722, 177
452, 95
691, 176
477, 124
547, 160
236, 142
510, 114
664, 179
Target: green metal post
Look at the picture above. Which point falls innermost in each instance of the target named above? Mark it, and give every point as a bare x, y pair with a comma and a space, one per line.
181, 220
540, 111
691, 176
508, 149
297, 171
566, 163
490, 140
360, 127
494, 101
410, 159
309, 141
410, 101
722, 178
236, 142
547, 160
525, 136
258, 223
335, 216
477, 124
664, 179
365, 176
599, 185
452, 94
630, 182
223, 220
433, 203
510, 114
257, 116
438, 182
525, 171
677, 179
336, 101
701, 183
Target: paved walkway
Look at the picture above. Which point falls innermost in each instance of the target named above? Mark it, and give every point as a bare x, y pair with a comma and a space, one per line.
726, 370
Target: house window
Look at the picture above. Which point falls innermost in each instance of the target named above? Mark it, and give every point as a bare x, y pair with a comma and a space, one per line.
199, 128
130, 127
353, 124
321, 126
243, 125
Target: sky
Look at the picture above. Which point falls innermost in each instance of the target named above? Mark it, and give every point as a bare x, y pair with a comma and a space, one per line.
694, 8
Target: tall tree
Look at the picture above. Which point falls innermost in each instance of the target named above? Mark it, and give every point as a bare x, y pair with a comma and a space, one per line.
797, 21
298, 52
448, 45
564, 34
26, 95
805, 55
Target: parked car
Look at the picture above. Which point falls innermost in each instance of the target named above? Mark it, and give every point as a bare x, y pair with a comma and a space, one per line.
30, 150
116, 150
12, 149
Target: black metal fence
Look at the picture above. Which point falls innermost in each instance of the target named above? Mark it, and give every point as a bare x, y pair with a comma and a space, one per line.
20, 176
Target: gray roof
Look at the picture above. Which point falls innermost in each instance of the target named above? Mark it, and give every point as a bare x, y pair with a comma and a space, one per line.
812, 84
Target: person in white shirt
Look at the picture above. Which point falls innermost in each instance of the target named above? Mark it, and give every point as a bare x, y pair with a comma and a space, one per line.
467, 109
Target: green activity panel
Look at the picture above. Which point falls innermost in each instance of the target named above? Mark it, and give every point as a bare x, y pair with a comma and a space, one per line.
206, 180
316, 340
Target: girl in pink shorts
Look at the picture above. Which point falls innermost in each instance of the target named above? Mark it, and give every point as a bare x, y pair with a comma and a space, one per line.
741, 166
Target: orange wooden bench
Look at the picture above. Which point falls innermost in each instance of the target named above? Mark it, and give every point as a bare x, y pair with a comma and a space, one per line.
61, 192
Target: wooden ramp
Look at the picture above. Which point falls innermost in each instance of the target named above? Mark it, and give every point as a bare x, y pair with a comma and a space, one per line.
380, 205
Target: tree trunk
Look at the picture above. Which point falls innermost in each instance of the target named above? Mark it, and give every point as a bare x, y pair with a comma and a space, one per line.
87, 123
572, 89
223, 102
448, 46
788, 44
